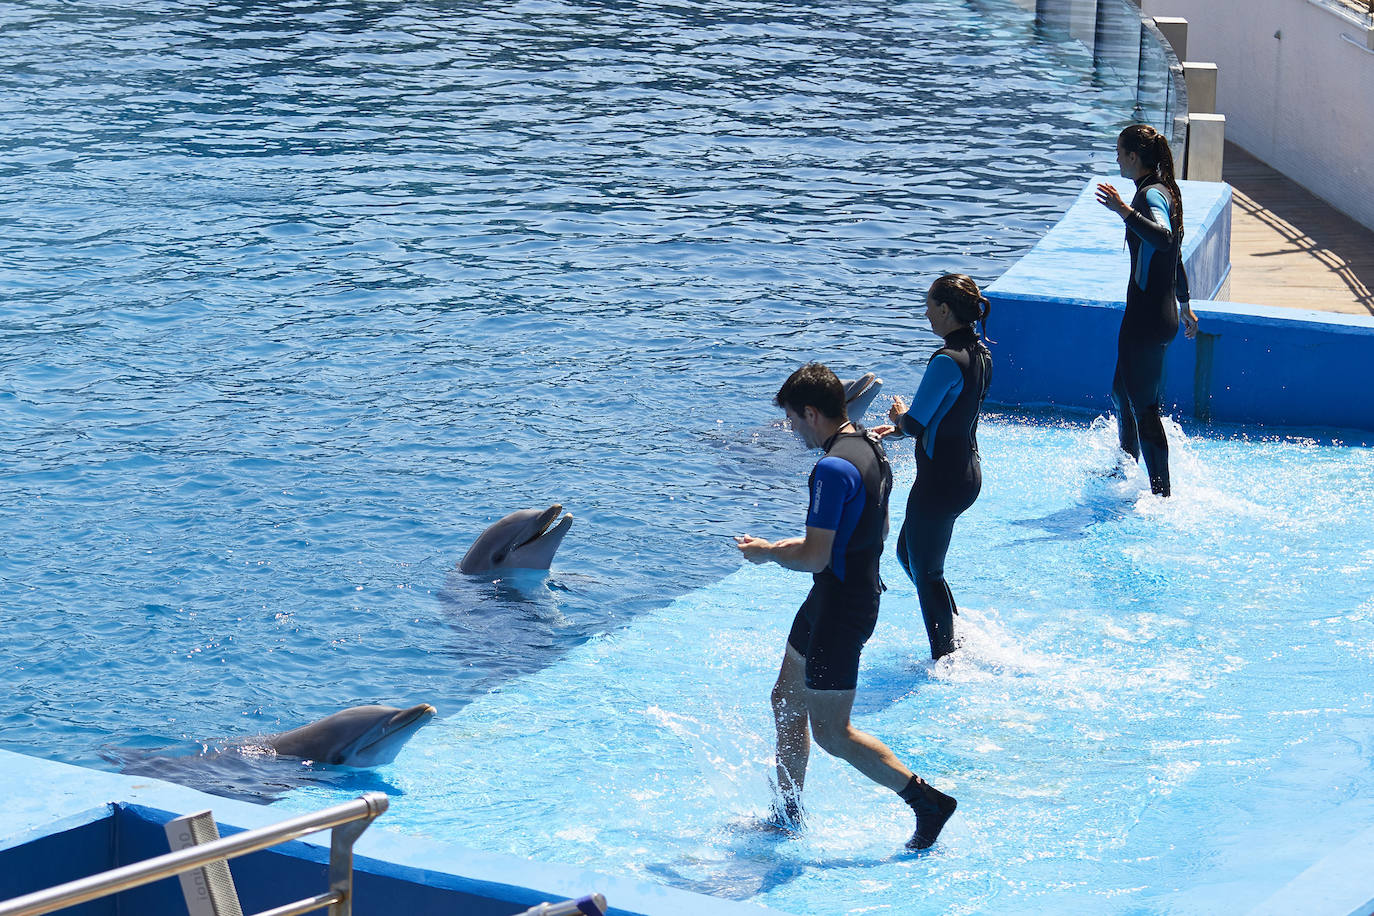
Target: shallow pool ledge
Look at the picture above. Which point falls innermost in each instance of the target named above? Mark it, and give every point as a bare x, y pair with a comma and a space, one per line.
1056, 312
1338, 885
63, 822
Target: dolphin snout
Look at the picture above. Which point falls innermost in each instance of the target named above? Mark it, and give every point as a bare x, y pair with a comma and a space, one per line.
525, 539
406, 716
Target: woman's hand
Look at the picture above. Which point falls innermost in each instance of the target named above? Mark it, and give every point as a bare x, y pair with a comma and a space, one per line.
894, 413
1189, 318
882, 432
1108, 197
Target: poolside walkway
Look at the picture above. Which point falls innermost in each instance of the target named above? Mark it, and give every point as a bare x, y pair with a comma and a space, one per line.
1290, 248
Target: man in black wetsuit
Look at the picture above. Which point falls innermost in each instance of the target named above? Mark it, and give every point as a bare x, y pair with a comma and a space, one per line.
845, 528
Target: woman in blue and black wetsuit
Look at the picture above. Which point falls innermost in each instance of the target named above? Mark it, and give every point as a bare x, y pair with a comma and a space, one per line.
944, 420
1156, 296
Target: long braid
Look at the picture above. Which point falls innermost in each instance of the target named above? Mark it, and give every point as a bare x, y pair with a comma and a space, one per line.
1164, 170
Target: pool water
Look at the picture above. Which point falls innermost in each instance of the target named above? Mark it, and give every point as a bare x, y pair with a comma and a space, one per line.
1159, 707
298, 298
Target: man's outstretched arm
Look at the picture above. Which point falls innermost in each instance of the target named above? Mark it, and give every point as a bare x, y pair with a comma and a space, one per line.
805, 554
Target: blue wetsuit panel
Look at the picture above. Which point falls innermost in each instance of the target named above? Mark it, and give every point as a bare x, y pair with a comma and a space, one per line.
1159, 207
939, 389
837, 501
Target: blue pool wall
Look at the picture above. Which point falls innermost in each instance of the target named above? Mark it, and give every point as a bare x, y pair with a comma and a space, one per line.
1056, 312
63, 822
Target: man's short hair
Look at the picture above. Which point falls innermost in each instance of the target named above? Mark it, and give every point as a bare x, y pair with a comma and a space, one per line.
813, 385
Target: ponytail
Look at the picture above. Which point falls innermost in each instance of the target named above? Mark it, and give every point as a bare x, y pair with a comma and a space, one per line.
964, 299
1153, 149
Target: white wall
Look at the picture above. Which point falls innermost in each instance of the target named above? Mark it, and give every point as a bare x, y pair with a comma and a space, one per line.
1303, 103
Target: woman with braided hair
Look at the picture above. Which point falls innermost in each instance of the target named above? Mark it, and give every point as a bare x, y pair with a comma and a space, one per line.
943, 418
1156, 295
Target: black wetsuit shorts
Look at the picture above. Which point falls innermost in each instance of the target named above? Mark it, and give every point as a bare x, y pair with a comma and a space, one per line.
830, 630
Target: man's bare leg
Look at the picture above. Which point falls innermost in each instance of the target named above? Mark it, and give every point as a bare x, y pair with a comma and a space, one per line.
829, 711
794, 732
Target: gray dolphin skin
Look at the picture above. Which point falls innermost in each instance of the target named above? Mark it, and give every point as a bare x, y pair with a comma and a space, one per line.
361, 736
859, 393
525, 539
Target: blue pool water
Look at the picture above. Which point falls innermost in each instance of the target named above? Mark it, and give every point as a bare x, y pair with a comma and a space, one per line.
299, 298
1160, 706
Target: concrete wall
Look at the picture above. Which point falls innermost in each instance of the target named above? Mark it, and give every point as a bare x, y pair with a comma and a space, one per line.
1055, 317
1303, 102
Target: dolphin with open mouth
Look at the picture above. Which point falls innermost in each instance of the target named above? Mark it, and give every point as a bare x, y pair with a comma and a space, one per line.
525, 539
859, 393
360, 736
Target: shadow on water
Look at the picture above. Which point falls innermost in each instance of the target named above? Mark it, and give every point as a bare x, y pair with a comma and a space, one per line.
243, 771
1105, 500
885, 686
520, 621
751, 860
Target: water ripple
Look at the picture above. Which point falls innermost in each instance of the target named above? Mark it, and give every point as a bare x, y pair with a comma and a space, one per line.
299, 296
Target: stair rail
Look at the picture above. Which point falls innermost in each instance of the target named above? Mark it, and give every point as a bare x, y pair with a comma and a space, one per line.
347, 821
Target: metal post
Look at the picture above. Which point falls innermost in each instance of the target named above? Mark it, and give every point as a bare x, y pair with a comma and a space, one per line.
1206, 144
1175, 31
341, 841
1202, 86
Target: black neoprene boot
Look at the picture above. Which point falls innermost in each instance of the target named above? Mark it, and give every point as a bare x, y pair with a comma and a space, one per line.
786, 815
932, 808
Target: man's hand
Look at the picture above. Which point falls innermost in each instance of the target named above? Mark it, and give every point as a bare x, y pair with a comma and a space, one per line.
755, 550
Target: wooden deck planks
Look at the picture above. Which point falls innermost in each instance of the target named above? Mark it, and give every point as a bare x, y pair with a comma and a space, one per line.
1290, 248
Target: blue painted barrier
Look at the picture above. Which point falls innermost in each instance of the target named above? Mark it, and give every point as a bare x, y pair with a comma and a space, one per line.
63, 822
1056, 313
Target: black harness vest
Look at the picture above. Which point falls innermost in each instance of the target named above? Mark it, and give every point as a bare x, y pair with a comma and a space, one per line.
865, 548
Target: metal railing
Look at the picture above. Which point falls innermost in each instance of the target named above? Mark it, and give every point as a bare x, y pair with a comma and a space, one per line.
1365, 7
591, 905
348, 821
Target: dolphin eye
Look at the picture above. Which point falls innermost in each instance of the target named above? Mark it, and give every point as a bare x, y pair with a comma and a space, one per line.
499, 557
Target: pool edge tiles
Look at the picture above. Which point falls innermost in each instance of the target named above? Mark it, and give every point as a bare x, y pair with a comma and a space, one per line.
1057, 310
50, 801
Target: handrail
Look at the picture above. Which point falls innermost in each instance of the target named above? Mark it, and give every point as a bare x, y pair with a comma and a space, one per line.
366, 809
1365, 7
591, 905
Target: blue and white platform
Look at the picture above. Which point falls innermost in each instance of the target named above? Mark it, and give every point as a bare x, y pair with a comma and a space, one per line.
1055, 316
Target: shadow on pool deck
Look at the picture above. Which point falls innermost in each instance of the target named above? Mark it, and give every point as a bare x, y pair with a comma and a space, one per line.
1290, 248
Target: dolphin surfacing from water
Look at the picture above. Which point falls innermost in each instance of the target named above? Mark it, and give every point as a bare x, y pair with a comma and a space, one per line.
337, 750
525, 539
361, 736
859, 393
